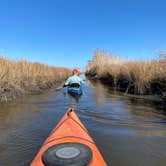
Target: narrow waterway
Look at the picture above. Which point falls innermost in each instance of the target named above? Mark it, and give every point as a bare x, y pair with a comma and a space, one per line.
128, 132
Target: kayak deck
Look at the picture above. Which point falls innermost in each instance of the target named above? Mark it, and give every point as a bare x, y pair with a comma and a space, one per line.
70, 130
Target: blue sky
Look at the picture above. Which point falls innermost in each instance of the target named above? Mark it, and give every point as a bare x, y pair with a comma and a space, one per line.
66, 32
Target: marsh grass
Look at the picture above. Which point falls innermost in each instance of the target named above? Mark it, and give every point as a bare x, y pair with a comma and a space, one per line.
21, 76
137, 77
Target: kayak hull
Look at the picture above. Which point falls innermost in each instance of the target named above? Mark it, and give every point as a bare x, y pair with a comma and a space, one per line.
74, 91
70, 130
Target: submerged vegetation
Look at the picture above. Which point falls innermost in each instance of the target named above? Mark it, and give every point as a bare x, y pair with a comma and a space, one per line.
135, 77
19, 77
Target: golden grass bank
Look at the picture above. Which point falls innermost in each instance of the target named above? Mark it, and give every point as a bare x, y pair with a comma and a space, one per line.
135, 77
20, 77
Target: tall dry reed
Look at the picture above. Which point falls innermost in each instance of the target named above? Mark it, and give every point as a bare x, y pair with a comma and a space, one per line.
19, 76
138, 77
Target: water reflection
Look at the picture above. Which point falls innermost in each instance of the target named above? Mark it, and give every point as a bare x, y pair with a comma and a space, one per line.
124, 105
100, 92
152, 133
125, 130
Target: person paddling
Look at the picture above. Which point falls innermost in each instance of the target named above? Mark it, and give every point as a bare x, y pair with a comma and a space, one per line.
74, 80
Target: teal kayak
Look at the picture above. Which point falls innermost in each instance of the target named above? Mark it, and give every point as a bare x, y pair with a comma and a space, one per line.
74, 89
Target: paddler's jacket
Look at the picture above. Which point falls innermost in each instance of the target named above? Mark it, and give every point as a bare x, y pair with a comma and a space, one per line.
74, 79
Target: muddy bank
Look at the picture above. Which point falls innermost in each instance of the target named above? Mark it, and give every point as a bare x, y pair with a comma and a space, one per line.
130, 87
8, 92
156, 89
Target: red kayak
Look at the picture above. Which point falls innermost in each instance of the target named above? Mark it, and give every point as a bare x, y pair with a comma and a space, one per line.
69, 144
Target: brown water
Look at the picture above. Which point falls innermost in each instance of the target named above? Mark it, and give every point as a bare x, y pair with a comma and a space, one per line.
128, 132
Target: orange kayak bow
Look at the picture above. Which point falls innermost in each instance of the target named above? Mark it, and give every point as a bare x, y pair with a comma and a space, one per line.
69, 144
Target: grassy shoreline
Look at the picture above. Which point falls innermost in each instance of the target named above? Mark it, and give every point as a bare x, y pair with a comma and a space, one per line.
130, 77
23, 77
